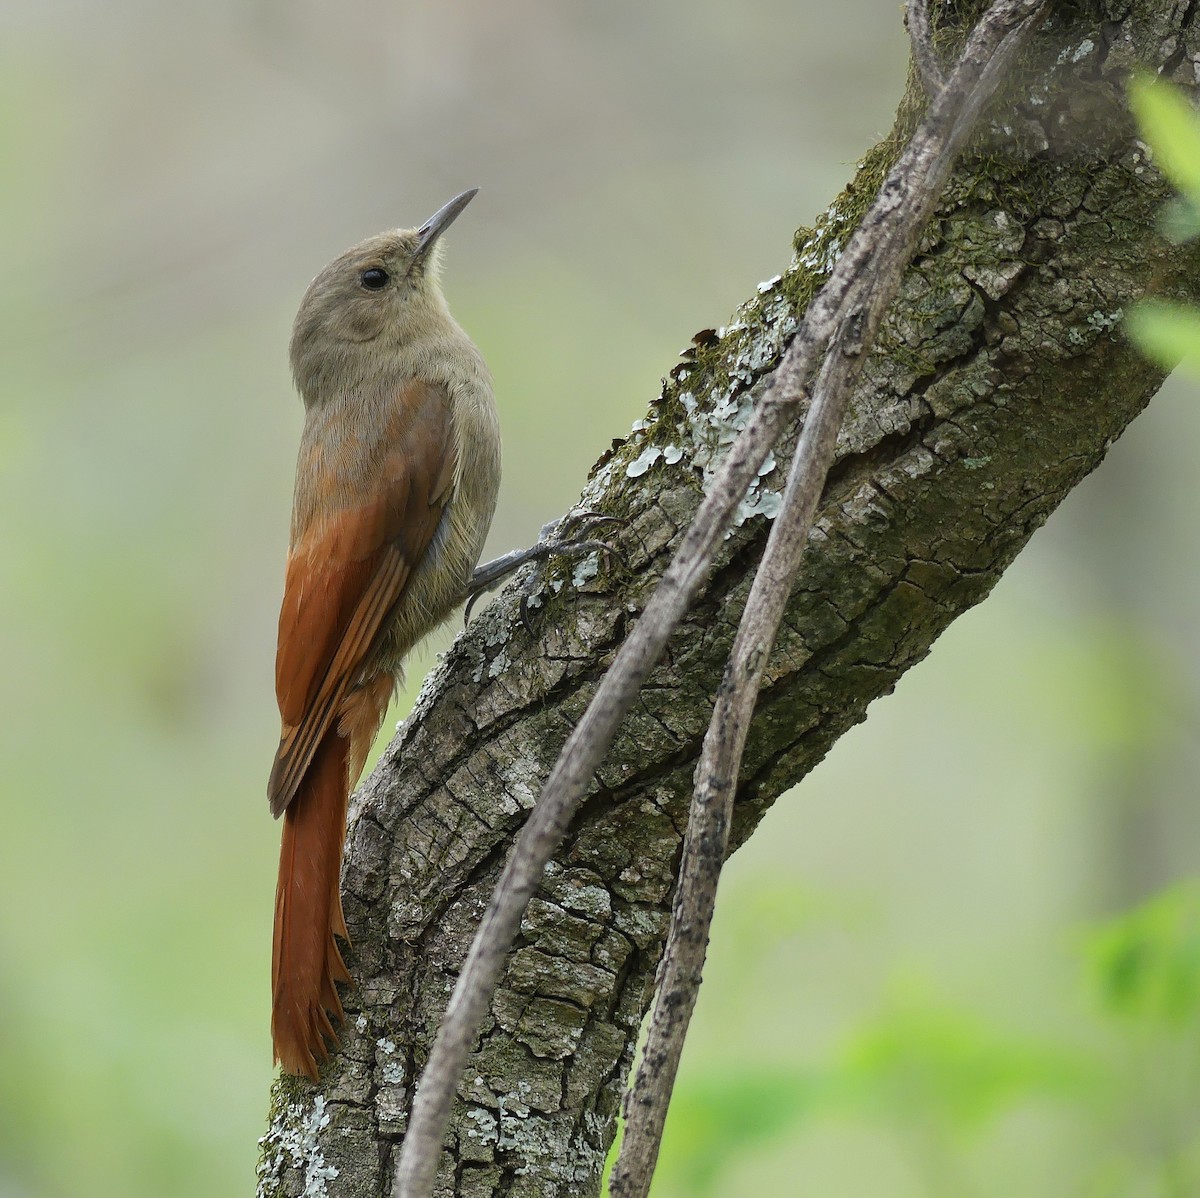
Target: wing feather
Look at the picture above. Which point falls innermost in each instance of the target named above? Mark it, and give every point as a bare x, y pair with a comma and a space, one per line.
347, 571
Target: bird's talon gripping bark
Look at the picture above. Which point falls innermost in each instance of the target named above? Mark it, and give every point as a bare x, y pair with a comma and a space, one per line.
555, 540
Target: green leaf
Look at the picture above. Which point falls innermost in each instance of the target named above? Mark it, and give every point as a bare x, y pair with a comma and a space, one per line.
714, 1120
1172, 127
1147, 962
1168, 334
921, 1060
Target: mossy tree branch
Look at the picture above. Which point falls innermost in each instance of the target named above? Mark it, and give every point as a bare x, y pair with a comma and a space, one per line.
999, 381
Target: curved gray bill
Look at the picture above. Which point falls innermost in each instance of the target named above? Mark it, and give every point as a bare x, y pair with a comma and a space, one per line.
440, 221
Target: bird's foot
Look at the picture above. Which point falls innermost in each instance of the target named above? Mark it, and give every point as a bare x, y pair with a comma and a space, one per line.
570, 536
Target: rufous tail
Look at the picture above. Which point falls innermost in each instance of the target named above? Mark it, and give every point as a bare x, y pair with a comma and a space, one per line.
305, 961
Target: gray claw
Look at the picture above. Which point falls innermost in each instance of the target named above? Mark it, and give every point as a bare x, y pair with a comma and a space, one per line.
552, 541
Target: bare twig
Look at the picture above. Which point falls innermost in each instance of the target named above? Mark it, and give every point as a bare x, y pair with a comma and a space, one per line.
902, 194
706, 841
916, 17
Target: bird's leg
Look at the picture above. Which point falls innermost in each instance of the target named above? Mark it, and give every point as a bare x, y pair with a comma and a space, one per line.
557, 539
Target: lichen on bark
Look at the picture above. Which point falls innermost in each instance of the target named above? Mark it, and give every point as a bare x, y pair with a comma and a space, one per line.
1000, 380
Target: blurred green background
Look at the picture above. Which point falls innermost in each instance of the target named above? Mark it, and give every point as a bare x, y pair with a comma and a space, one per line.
961, 960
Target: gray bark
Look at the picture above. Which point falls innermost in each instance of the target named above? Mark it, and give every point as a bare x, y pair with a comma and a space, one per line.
1000, 379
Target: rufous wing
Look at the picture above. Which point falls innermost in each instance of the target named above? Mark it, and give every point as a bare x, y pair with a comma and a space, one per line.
347, 572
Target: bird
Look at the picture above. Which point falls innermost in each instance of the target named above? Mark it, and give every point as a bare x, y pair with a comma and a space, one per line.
397, 479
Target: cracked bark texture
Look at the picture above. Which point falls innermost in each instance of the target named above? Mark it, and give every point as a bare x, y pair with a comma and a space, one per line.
1000, 379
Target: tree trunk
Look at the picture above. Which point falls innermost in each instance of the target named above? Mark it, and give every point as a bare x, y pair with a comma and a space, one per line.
1000, 380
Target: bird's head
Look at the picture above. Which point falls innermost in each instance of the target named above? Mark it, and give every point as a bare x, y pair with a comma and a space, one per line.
385, 289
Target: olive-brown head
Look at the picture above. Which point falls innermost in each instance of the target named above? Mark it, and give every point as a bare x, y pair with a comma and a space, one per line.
383, 291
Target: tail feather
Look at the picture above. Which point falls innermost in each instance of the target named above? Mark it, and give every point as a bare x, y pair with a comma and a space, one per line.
305, 961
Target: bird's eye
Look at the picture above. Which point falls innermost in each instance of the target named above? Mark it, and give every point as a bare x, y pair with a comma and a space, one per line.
374, 279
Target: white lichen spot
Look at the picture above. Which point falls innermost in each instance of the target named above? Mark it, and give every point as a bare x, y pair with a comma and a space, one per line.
820, 254
761, 355
1103, 321
760, 503
499, 665
486, 1129
767, 284
643, 461
391, 1105
1080, 52
360, 1025
509, 1114
295, 1134
672, 454
385, 1046
587, 569
392, 1073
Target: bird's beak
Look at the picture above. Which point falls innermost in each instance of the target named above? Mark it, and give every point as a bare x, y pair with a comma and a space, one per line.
439, 222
